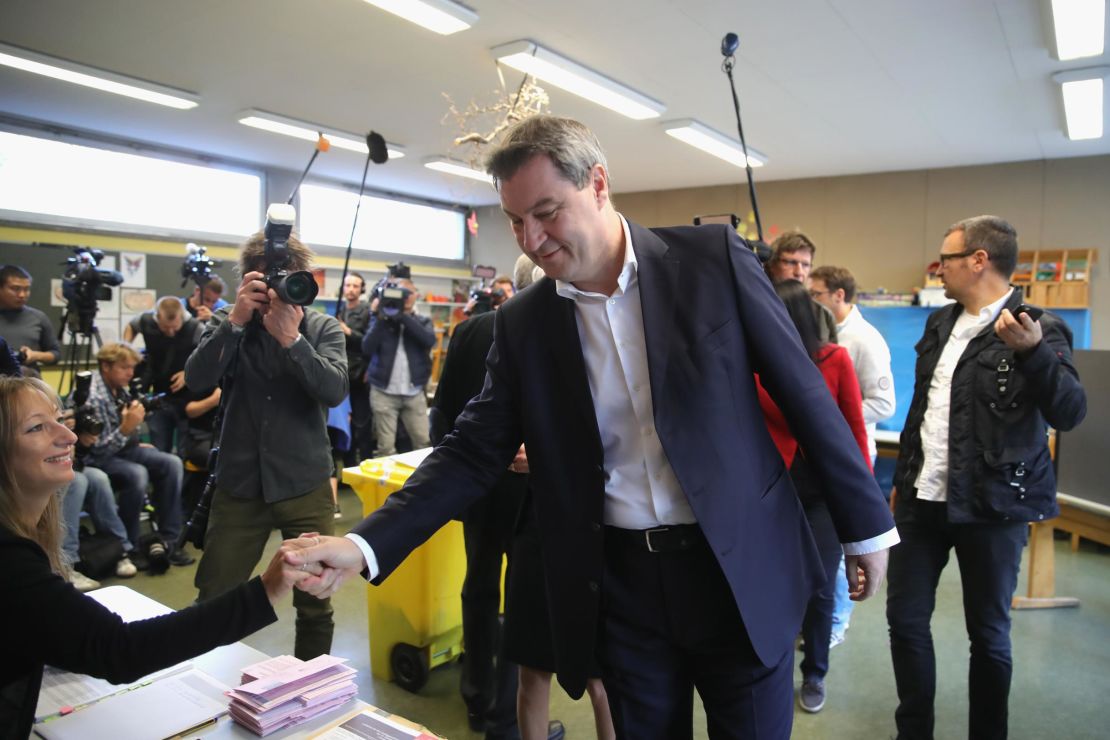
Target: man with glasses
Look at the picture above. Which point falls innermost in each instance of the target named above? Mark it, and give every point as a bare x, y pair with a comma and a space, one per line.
792, 254
974, 468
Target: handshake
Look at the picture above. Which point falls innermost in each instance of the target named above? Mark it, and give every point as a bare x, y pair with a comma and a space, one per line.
314, 563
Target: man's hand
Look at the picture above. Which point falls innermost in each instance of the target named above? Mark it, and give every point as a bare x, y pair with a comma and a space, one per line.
283, 320
204, 313
520, 461
33, 355
250, 297
131, 418
865, 574
331, 560
177, 381
343, 325
86, 439
1021, 333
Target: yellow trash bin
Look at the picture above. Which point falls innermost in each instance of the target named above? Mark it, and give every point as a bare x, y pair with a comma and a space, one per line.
415, 615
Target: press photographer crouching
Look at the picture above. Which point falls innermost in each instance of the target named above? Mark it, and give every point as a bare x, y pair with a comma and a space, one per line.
170, 336
280, 367
132, 465
47, 621
398, 344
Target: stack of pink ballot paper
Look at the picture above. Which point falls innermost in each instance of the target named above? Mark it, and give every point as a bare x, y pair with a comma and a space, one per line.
285, 691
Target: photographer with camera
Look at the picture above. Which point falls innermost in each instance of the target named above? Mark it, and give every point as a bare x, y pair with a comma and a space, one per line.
282, 367
204, 301
170, 337
130, 464
354, 320
26, 330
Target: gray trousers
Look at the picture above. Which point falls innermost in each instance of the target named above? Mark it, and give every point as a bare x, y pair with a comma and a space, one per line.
412, 410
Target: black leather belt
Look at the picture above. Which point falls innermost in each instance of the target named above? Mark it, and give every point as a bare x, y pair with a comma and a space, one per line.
672, 538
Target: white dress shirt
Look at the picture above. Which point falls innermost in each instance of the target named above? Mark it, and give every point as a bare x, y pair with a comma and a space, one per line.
932, 481
871, 360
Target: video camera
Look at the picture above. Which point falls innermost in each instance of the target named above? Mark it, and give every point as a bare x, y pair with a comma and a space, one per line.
391, 295
484, 300
198, 266
83, 282
297, 288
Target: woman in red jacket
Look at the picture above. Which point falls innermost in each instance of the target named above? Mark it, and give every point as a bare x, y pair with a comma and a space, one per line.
836, 367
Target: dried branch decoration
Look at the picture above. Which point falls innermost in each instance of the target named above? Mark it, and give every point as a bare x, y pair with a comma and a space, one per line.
482, 124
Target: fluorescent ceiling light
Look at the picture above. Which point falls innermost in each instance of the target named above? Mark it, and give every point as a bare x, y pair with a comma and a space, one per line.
79, 74
712, 142
1079, 26
455, 167
544, 64
1082, 89
310, 132
441, 16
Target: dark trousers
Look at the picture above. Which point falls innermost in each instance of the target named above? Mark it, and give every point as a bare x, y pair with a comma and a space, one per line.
238, 529
817, 625
131, 470
989, 556
489, 683
362, 433
669, 625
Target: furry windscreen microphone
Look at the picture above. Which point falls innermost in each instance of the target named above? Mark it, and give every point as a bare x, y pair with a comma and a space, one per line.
378, 153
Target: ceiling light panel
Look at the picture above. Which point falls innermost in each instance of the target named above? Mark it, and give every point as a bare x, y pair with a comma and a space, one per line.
455, 167
442, 16
310, 132
79, 74
700, 136
557, 70
1083, 91
1080, 28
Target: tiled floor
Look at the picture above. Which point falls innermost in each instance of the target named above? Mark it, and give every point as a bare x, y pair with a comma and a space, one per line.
1062, 661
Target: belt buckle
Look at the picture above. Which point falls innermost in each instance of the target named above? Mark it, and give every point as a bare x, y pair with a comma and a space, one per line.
647, 537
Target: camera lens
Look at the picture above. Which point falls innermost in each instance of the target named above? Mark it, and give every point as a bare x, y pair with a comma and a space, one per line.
297, 288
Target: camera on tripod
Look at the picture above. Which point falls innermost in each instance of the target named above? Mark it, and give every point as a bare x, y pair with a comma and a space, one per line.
298, 287
389, 291
84, 283
198, 266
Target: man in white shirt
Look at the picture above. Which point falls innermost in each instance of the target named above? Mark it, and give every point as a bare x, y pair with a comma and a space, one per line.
675, 551
974, 468
835, 289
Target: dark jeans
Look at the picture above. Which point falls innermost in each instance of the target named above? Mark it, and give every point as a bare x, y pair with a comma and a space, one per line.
817, 625
131, 469
162, 424
669, 625
488, 682
989, 556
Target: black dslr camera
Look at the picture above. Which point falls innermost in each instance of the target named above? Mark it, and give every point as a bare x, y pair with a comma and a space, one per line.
149, 401
296, 288
391, 295
85, 421
198, 266
485, 300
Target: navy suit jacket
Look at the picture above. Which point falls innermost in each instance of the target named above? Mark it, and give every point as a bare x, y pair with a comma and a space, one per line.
711, 321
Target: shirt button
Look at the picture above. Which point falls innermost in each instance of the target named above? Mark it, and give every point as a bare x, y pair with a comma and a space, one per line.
647, 432
595, 526
636, 389
594, 586
612, 301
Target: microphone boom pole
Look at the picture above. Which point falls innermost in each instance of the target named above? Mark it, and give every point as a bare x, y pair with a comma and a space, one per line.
729, 44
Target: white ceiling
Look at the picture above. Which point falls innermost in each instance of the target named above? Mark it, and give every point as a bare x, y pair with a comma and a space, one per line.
827, 87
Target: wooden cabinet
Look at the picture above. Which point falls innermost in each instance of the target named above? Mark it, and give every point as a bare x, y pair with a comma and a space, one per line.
1056, 278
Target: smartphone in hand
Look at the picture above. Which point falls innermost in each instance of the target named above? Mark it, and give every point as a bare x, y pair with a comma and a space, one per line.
1034, 312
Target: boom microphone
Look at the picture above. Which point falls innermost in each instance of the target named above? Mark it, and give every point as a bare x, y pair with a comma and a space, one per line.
729, 44
378, 152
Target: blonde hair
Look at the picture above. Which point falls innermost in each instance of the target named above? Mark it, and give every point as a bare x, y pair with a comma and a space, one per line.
47, 531
112, 353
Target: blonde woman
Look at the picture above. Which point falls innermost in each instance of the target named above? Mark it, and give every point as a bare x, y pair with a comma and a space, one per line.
44, 619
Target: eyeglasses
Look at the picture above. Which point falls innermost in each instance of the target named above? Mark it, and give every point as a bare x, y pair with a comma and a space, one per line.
956, 255
815, 293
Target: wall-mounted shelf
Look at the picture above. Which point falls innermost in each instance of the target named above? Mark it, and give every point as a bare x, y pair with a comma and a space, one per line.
1056, 278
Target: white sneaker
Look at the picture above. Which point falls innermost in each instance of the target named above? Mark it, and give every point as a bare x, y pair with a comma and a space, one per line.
125, 568
83, 583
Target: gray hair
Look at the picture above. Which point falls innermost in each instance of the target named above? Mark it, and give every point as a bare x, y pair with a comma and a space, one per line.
525, 272
572, 147
993, 235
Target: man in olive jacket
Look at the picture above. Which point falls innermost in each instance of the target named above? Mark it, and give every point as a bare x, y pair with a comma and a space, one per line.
974, 469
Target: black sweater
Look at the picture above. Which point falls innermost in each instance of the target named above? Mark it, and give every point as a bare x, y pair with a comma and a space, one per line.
45, 620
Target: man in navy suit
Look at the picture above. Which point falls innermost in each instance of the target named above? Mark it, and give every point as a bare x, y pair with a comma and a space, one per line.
676, 552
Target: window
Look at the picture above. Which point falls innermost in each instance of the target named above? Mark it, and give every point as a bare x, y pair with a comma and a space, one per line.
56, 182
384, 224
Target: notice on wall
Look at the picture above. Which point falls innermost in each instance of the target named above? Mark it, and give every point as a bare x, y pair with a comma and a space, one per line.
133, 269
